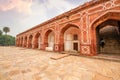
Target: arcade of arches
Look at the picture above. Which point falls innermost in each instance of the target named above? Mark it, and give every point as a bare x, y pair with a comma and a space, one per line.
78, 30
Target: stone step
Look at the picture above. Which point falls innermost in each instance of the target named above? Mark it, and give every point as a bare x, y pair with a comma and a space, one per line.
56, 57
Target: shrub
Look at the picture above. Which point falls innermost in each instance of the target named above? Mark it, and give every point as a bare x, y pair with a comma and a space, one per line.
7, 40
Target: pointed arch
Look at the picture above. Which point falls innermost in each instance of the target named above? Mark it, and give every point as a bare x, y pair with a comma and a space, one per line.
49, 37
21, 41
25, 41
37, 40
68, 26
107, 16
115, 15
68, 45
30, 41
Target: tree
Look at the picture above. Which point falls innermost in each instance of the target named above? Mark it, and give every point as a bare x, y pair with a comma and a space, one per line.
7, 40
1, 32
6, 30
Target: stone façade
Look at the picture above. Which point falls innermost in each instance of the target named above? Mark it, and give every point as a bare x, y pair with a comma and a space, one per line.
85, 19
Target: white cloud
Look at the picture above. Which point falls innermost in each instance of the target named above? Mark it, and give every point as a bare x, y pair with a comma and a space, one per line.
42, 10
22, 6
36, 11
46, 8
60, 5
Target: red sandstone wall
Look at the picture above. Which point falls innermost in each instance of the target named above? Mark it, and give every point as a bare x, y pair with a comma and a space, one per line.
85, 17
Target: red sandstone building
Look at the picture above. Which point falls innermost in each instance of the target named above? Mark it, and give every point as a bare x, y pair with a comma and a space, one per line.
79, 29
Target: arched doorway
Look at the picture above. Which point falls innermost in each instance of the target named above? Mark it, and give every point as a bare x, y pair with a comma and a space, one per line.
25, 43
30, 41
18, 42
70, 39
109, 31
37, 41
21, 41
107, 21
49, 40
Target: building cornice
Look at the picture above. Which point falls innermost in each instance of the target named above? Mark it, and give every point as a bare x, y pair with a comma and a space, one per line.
68, 13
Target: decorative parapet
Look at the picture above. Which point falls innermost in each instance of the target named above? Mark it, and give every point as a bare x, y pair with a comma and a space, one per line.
68, 13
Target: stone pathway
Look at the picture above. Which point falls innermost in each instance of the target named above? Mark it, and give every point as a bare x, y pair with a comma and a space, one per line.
28, 64
56, 57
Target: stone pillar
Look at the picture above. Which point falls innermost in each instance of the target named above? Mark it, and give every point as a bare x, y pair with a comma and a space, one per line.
42, 43
43, 46
33, 41
58, 47
59, 44
85, 46
20, 42
23, 42
27, 43
93, 41
86, 39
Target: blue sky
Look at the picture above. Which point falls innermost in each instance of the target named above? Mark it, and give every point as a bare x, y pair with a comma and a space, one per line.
21, 15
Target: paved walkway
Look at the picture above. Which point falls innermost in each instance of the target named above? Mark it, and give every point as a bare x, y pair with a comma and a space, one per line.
28, 64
